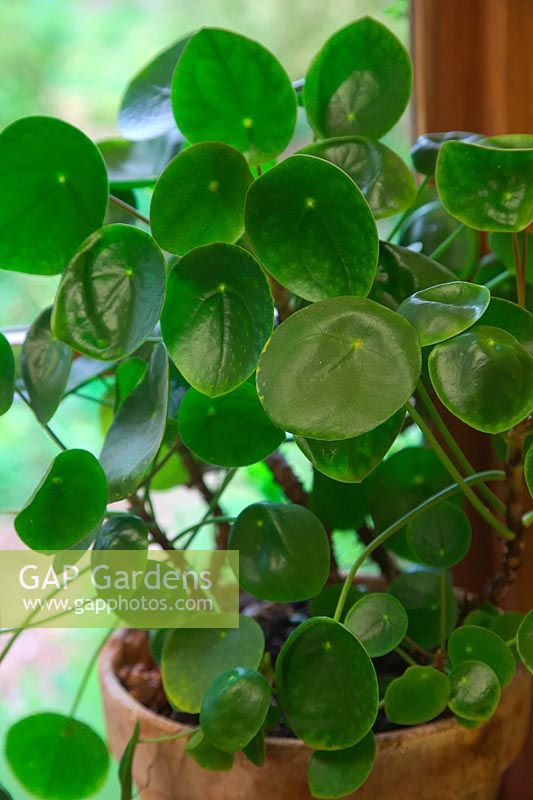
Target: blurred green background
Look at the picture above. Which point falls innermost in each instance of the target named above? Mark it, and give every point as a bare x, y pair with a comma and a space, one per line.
72, 59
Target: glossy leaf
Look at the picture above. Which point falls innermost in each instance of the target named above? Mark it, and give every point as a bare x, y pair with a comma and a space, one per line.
419, 594
128, 375
429, 226
314, 360
68, 503
444, 311
255, 751
359, 83
37, 744
351, 460
53, 194
7, 375
402, 272
312, 229
218, 315
206, 755
258, 119
126, 764
426, 149
420, 695
122, 532
229, 431
475, 692
384, 179
379, 622
111, 294
45, 366
472, 643
477, 183
440, 537
172, 473
524, 641
146, 110
135, 435
199, 198
338, 773
400, 484
188, 674
338, 505
234, 708
132, 165
484, 377
506, 625
514, 319
326, 685
283, 552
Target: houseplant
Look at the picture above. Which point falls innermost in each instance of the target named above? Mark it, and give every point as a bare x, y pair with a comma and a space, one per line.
256, 306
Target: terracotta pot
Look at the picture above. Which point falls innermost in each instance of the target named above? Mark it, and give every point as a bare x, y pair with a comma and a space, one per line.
438, 761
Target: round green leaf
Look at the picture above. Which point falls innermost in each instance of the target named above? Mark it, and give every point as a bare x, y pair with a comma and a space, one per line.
193, 658
524, 641
440, 537
402, 271
506, 625
359, 83
7, 375
133, 440
206, 755
234, 708
199, 198
384, 179
528, 470
68, 503
428, 227
56, 757
484, 377
283, 552
473, 643
514, 319
146, 110
325, 603
230, 89
351, 460
475, 692
122, 532
229, 431
337, 773
132, 165
45, 365
379, 621
482, 616
218, 315
440, 312
400, 484
315, 359
312, 229
111, 294
340, 506
326, 685
255, 751
421, 694
487, 188
419, 594
426, 149
53, 194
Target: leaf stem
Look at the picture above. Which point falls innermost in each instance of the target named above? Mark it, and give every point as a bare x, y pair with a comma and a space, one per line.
171, 738
494, 282
230, 474
130, 209
456, 451
415, 646
482, 510
406, 657
208, 521
87, 673
443, 246
384, 536
43, 425
520, 264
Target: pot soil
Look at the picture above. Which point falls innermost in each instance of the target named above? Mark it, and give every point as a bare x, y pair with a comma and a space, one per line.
438, 761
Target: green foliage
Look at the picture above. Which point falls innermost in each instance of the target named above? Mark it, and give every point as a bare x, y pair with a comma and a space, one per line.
475, 691
420, 695
338, 773
207, 755
7, 375
326, 685
419, 593
133, 165
234, 709
441, 537
472, 643
312, 229
426, 149
379, 622
524, 641
402, 272
283, 552
37, 745
126, 763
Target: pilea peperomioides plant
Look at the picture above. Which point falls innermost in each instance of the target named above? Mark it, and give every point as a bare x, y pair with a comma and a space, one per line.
230, 279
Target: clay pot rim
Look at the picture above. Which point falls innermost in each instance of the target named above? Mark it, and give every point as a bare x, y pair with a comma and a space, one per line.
108, 663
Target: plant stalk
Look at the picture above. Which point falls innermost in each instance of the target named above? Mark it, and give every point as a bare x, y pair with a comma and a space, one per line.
130, 209
446, 244
46, 428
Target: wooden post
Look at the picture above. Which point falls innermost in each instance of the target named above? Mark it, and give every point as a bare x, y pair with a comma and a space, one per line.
473, 71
